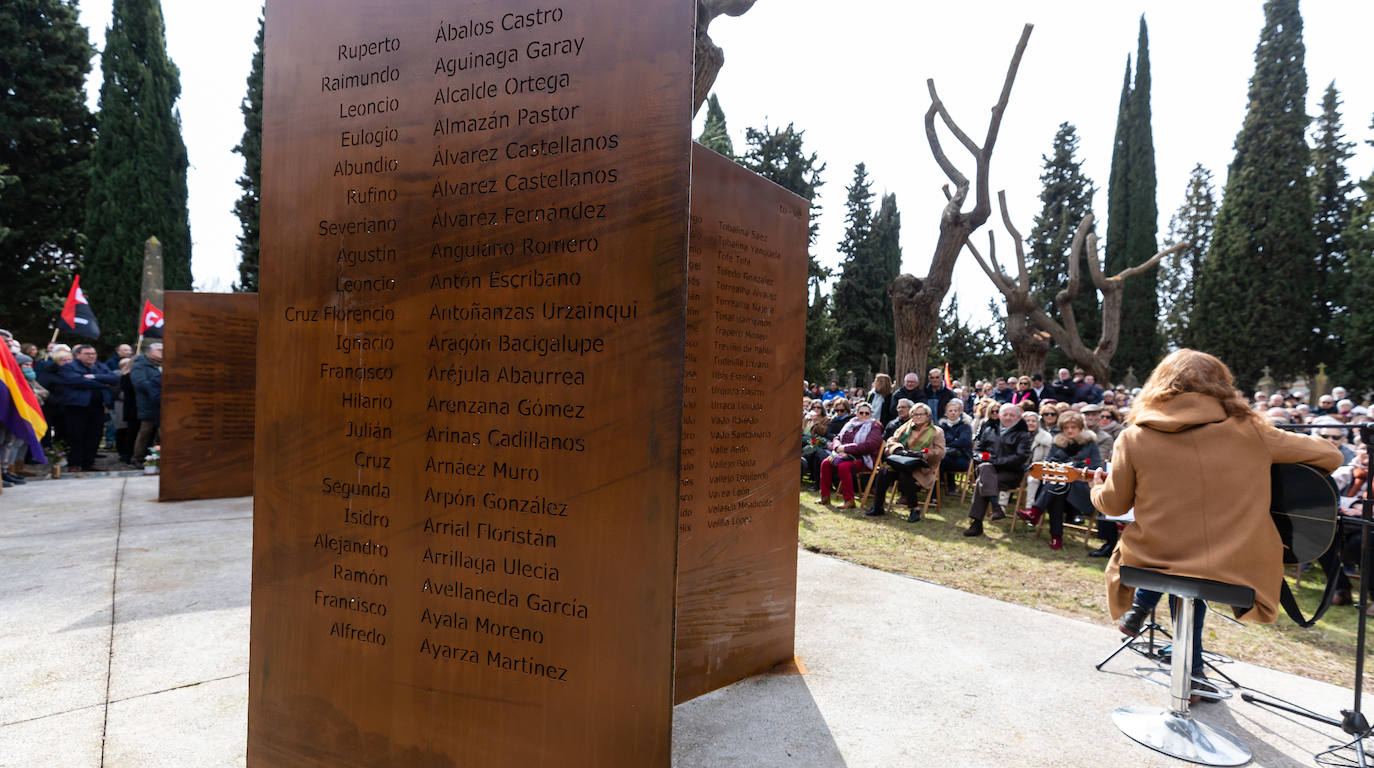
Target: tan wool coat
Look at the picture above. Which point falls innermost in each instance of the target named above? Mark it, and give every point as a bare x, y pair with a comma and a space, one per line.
906, 438
1199, 483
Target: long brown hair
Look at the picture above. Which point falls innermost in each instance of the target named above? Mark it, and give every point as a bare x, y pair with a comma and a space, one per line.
882, 384
1188, 370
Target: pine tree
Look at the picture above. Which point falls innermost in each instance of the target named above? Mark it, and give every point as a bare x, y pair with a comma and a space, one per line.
1065, 200
982, 351
1331, 204
1132, 216
1357, 324
778, 155
249, 207
713, 135
1254, 299
1193, 223
138, 187
860, 300
45, 144
820, 335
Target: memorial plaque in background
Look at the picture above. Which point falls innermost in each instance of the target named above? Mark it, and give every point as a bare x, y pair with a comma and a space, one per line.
746, 322
210, 352
474, 235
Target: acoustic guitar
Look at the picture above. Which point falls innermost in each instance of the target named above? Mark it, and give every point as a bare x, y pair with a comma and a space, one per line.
1050, 472
1303, 503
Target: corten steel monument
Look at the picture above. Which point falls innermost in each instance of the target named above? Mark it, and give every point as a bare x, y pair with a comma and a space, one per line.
208, 397
746, 316
477, 328
472, 305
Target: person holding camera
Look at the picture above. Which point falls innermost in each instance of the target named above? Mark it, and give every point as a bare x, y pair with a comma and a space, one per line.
913, 459
1002, 451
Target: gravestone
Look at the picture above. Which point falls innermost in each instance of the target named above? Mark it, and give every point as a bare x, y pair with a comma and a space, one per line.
737, 536
474, 230
208, 377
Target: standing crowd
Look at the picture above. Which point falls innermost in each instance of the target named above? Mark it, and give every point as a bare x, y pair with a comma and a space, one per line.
88, 404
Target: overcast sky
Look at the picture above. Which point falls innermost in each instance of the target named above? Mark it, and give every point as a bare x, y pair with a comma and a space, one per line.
854, 81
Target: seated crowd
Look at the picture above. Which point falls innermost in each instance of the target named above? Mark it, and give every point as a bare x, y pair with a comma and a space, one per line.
939, 436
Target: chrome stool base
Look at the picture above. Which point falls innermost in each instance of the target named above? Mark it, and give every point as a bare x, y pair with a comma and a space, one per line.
1181, 736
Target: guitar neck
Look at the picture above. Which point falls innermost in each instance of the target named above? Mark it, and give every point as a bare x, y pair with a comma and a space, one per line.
1051, 472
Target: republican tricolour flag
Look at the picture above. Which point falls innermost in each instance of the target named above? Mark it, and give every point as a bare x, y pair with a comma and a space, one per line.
77, 316
19, 410
948, 381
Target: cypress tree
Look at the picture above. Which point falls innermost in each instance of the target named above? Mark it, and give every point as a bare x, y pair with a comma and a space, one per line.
138, 188
713, 135
249, 206
1254, 298
1132, 216
45, 147
887, 256
1065, 199
1193, 224
1331, 204
778, 155
1357, 324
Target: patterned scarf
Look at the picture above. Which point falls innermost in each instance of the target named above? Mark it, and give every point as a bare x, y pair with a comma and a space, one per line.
914, 441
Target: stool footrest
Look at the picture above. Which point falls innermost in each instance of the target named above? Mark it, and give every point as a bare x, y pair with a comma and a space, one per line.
1188, 587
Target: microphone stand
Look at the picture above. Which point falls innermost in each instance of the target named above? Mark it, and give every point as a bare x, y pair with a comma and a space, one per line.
1352, 721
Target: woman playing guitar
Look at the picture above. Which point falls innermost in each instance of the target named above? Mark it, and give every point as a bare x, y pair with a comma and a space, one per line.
1193, 461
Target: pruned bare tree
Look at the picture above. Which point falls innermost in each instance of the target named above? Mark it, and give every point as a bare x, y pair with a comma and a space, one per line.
915, 301
1021, 304
709, 57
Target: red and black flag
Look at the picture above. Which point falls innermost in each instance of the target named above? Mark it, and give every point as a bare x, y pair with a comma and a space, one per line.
77, 316
150, 324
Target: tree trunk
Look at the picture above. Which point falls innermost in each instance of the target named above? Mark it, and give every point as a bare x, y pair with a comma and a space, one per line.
914, 322
1030, 347
916, 302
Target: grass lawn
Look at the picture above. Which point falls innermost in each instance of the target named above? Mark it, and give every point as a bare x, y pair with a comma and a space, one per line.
1023, 569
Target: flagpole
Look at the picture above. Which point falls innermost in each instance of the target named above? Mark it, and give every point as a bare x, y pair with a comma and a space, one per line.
139, 350
54, 336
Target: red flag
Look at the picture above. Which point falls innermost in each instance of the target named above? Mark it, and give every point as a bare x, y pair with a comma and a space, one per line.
77, 316
151, 320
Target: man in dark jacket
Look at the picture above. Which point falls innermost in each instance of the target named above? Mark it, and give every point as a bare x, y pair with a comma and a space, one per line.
935, 394
85, 385
1063, 388
911, 389
146, 374
1088, 391
903, 413
1002, 451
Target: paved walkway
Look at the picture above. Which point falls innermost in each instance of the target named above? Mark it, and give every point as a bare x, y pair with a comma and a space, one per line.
125, 645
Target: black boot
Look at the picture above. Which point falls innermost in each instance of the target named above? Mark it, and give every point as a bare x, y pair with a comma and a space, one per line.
915, 516
1133, 620
876, 511
1103, 551
998, 513
975, 527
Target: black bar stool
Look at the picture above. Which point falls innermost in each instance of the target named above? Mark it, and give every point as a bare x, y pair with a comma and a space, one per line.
1173, 731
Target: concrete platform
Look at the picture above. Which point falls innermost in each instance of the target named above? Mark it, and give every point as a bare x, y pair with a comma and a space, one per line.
125, 645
